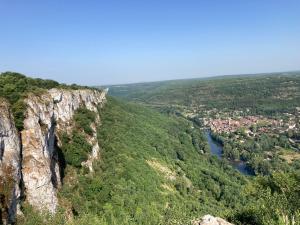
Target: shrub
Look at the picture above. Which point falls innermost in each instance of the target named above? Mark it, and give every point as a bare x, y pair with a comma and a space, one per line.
6, 185
75, 148
14, 86
83, 119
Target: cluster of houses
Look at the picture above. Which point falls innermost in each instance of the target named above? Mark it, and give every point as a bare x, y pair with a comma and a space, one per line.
230, 122
229, 125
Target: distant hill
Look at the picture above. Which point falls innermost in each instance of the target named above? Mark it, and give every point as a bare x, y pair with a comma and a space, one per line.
262, 93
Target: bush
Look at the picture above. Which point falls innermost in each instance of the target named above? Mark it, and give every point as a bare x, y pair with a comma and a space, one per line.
83, 119
75, 148
275, 200
6, 185
15, 86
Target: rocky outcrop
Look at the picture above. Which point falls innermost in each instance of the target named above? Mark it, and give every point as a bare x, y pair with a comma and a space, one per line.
211, 220
45, 116
32, 157
10, 158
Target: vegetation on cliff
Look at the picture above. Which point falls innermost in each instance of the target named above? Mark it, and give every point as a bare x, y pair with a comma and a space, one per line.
75, 148
15, 87
6, 184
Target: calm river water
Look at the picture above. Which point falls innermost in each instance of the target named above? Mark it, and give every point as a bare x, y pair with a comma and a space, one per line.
217, 150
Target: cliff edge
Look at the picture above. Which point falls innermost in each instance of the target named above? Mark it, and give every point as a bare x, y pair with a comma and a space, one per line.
30, 159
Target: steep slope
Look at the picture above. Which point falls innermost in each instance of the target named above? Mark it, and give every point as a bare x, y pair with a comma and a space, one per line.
10, 163
150, 173
32, 161
45, 117
272, 149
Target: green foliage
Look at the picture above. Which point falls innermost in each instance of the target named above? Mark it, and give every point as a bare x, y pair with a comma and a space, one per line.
6, 184
75, 148
156, 169
265, 94
18, 109
260, 166
231, 153
33, 217
15, 86
259, 152
83, 119
274, 200
126, 189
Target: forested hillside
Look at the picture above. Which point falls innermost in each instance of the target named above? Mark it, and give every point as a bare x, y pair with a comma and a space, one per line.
153, 168
254, 117
268, 93
256, 121
149, 173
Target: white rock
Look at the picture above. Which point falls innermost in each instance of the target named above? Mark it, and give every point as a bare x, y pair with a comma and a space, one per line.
45, 115
9, 157
211, 220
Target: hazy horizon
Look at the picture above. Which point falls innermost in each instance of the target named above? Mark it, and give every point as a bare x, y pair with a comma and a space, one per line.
206, 76
106, 43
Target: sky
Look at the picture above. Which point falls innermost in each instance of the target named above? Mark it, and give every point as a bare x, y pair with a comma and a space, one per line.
113, 42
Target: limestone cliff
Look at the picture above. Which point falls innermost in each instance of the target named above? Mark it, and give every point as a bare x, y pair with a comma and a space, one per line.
35, 155
10, 158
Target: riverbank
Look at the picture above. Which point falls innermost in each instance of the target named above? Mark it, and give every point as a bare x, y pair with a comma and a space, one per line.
217, 150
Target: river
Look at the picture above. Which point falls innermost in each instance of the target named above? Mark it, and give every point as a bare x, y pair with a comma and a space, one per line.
217, 150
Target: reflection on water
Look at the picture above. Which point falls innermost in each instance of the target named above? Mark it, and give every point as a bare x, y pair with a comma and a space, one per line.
217, 150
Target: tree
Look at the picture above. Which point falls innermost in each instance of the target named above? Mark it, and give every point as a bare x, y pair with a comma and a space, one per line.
276, 201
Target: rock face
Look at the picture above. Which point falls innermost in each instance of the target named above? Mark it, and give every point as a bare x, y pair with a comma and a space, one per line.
33, 159
10, 158
45, 116
210, 220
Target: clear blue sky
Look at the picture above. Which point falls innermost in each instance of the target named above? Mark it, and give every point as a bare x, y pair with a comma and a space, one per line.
108, 42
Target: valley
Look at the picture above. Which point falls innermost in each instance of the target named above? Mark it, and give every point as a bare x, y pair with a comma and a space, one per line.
255, 118
150, 112
78, 155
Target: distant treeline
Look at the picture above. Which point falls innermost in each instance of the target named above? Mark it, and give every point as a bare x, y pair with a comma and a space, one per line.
267, 94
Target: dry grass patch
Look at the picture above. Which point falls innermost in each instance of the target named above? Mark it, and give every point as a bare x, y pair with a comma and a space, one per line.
162, 169
290, 156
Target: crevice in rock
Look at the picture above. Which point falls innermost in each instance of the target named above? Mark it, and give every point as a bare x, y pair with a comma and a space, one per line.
21, 182
2, 147
61, 160
52, 151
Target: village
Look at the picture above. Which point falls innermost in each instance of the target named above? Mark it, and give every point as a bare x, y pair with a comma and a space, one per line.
237, 122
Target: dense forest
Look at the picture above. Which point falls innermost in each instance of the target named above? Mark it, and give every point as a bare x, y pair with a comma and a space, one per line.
263, 94
269, 151
150, 172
